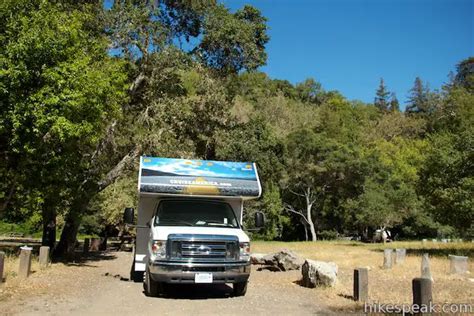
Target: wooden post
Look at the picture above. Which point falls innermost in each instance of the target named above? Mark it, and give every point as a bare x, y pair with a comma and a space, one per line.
422, 295
425, 267
2, 265
387, 258
361, 284
458, 264
25, 262
44, 256
95, 244
400, 255
85, 248
103, 244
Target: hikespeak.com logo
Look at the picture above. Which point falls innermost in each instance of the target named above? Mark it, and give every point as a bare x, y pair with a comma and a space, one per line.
404, 309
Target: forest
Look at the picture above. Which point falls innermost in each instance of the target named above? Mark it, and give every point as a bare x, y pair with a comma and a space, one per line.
86, 89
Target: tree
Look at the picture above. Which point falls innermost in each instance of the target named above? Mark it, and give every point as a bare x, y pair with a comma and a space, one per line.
381, 100
465, 74
448, 174
304, 184
233, 42
394, 104
158, 95
418, 98
59, 88
389, 191
310, 91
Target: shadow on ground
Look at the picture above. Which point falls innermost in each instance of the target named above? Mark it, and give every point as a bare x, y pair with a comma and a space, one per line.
80, 259
197, 291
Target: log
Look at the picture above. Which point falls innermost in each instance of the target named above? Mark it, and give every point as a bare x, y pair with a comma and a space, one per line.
25, 262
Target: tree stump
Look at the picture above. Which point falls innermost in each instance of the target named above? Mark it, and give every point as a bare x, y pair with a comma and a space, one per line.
25, 262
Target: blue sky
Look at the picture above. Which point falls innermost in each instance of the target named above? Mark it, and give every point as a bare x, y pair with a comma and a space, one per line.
347, 45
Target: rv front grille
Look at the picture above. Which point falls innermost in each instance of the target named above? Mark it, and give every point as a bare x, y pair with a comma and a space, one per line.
203, 248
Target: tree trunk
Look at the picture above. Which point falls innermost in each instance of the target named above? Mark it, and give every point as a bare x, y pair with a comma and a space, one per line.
305, 230
67, 242
49, 224
86, 192
309, 207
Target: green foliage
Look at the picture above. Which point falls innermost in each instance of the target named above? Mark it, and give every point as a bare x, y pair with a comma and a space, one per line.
73, 120
465, 74
418, 100
381, 97
234, 42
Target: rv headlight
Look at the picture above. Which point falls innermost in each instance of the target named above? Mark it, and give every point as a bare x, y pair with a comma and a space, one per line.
244, 251
158, 249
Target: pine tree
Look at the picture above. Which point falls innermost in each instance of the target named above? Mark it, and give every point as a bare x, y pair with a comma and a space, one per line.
418, 98
381, 97
394, 104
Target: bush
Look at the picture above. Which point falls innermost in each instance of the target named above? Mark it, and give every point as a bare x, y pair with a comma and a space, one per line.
328, 235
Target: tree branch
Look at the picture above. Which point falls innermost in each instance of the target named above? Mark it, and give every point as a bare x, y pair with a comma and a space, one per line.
291, 209
119, 168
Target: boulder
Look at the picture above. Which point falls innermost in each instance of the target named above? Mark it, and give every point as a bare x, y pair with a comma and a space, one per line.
284, 260
318, 273
257, 258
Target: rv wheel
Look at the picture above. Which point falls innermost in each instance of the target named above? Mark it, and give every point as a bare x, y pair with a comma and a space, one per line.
152, 288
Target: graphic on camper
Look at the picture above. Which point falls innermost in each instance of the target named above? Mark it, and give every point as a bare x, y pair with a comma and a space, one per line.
198, 177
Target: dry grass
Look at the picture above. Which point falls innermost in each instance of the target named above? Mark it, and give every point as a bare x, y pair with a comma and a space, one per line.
13, 284
385, 286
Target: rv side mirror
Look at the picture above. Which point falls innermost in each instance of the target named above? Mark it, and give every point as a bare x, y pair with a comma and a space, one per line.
259, 219
129, 216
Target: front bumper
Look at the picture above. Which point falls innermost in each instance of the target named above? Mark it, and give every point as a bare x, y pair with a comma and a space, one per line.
183, 272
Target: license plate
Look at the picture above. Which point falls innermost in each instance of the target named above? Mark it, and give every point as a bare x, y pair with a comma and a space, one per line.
203, 278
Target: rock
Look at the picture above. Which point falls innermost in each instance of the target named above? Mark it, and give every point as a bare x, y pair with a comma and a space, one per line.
285, 260
257, 258
318, 273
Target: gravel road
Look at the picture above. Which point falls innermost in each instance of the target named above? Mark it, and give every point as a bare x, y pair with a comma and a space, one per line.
100, 286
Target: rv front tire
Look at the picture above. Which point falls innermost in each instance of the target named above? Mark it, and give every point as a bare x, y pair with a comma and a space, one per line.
151, 287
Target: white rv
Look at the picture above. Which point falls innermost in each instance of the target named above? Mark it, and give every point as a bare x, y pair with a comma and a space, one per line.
189, 223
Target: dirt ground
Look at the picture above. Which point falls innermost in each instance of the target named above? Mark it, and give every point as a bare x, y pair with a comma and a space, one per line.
99, 285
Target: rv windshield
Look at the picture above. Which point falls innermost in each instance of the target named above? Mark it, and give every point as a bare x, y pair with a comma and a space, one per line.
195, 213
